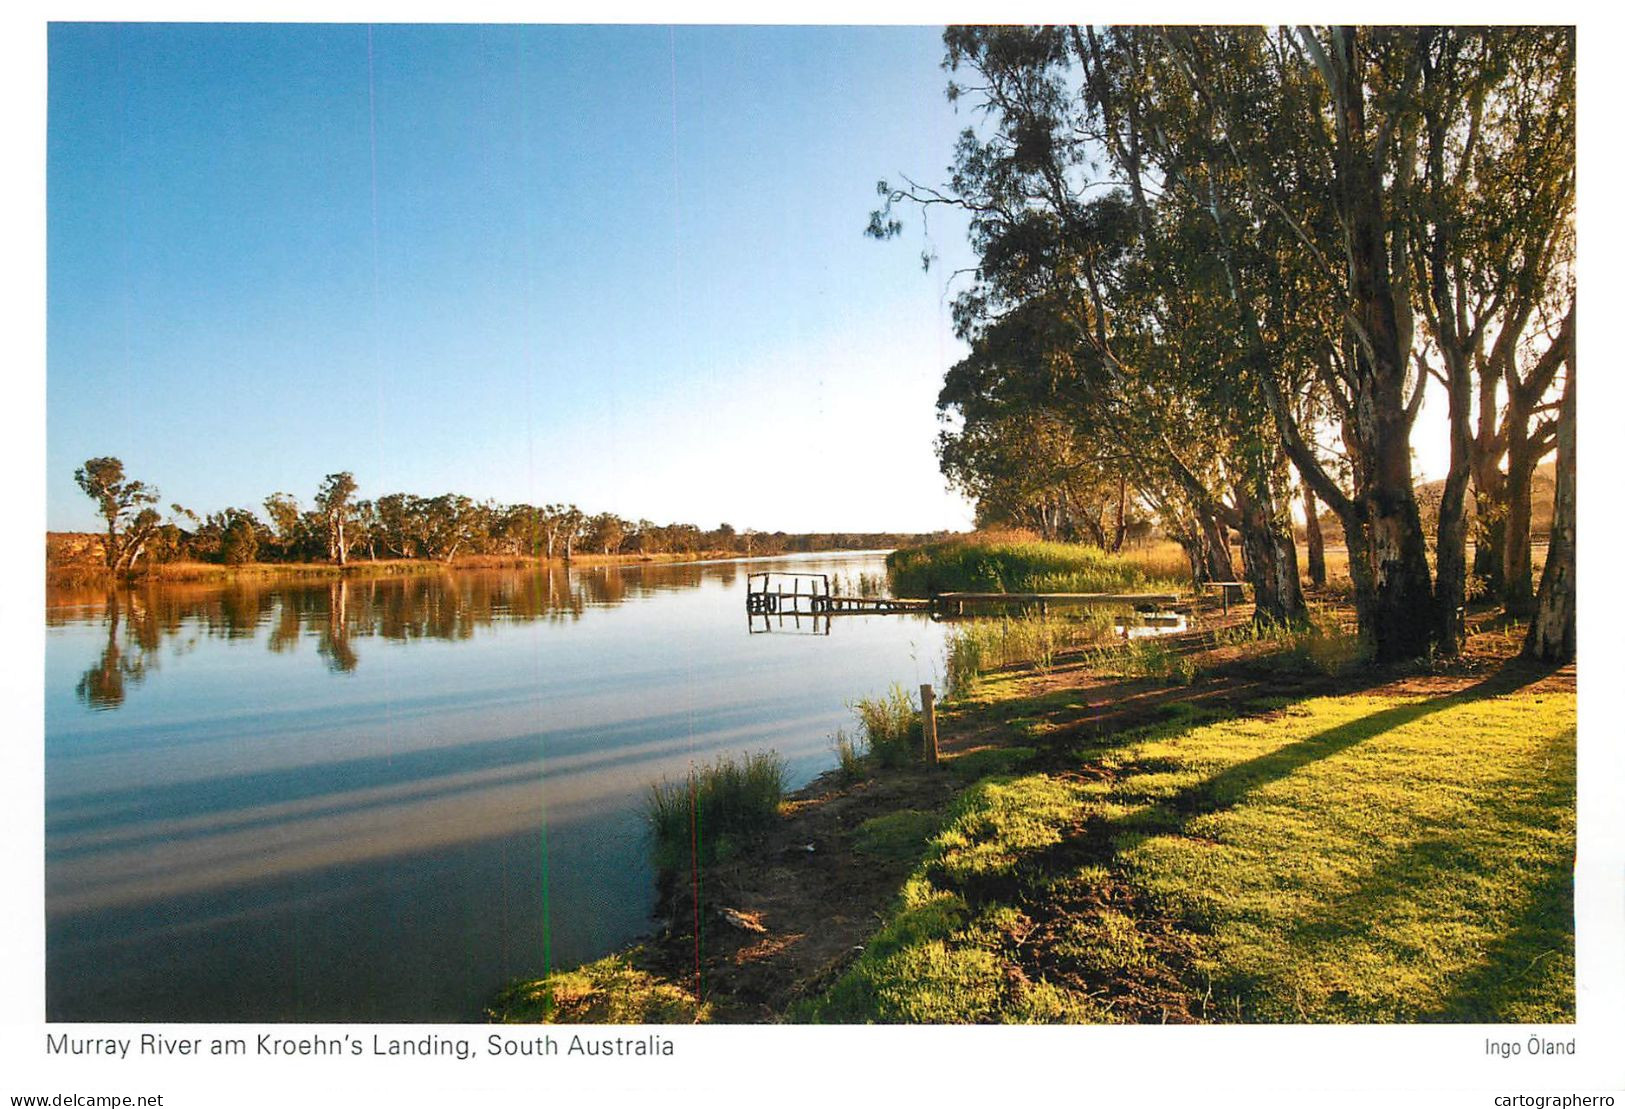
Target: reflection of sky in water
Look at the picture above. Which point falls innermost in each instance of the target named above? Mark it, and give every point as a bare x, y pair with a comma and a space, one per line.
237, 832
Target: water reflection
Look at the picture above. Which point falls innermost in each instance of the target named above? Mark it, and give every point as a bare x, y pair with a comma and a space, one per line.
102, 685
379, 799
342, 614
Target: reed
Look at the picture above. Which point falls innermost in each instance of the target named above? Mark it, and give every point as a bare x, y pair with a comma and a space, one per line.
891, 727
974, 564
714, 810
980, 647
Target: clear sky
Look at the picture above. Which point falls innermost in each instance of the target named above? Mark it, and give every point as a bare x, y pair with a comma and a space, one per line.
619, 266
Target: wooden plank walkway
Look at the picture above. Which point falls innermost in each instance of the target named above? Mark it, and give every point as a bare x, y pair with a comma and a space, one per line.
809, 595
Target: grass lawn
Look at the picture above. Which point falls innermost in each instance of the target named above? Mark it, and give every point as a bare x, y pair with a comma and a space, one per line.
1360, 858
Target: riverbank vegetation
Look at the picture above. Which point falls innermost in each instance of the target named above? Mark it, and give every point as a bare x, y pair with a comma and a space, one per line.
714, 810
394, 533
1013, 564
1258, 840
1342, 859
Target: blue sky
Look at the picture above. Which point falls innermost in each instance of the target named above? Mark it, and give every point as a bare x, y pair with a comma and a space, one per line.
620, 266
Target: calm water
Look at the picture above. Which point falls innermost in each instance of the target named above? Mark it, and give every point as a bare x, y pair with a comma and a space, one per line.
381, 800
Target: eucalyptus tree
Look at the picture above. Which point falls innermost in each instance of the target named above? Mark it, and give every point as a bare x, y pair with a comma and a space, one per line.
572, 524
291, 529
446, 525
240, 535
1101, 278
606, 532
334, 504
1492, 244
1298, 197
126, 506
1552, 628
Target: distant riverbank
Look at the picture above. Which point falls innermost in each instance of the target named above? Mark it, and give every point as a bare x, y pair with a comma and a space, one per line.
71, 561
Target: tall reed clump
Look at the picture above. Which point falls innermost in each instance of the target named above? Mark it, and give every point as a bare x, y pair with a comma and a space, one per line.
978, 566
1147, 658
715, 810
892, 732
1322, 646
849, 754
979, 647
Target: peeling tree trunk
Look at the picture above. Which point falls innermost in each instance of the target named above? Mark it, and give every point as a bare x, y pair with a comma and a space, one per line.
1272, 563
1518, 585
1312, 536
1552, 630
1271, 558
1450, 582
1216, 555
1387, 554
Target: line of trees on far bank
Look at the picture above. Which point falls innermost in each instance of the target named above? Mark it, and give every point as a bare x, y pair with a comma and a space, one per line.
341, 527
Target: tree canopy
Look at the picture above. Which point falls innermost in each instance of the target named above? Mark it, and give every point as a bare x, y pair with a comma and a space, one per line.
1211, 256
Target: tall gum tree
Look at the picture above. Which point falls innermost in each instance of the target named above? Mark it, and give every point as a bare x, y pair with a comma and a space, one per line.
1334, 156
1492, 240
1552, 629
1047, 235
125, 505
334, 504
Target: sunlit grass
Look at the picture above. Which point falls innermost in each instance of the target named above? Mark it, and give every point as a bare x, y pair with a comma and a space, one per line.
612, 990
1349, 859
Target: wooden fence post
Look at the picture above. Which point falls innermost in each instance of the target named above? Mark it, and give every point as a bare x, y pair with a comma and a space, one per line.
928, 721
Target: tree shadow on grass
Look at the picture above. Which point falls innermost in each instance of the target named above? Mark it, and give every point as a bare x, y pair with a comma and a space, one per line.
1506, 985
1227, 788
1100, 840
1482, 857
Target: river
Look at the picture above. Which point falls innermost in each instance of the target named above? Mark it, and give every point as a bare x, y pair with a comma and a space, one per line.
382, 799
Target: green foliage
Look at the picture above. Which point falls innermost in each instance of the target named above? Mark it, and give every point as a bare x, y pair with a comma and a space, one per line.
239, 542
124, 504
1322, 646
891, 726
1149, 657
715, 810
849, 754
1345, 859
970, 565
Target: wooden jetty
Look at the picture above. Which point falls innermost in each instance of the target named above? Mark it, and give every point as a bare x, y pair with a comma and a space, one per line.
786, 594
954, 603
780, 593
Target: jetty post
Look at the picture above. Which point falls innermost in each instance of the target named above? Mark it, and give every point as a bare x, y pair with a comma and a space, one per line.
928, 722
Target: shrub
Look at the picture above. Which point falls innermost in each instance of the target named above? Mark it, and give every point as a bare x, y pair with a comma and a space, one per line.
849, 754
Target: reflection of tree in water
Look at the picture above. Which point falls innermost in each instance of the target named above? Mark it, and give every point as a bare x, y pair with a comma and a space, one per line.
338, 614
102, 686
334, 643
